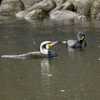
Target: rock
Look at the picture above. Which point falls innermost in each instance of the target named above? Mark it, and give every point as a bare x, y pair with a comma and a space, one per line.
63, 6
63, 15
75, 10
35, 14
37, 11
0, 2
46, 5
29, 3
10, 7
82, 6
98, 17
80, 19
20, 14
67, 16
68, 6
79, 6
95, 9
59, 2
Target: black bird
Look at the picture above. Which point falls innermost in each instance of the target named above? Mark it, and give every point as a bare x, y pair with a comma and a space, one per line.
80, 42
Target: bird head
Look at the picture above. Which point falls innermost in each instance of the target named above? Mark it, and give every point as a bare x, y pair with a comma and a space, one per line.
51, 44
81, 36
46, 46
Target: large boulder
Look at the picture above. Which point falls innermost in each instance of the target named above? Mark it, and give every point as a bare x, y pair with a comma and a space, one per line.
38, 10
95, 9
82, 6
10, 7
67, 17
46, 5
35, 14
29, 3
59, 2
98, 17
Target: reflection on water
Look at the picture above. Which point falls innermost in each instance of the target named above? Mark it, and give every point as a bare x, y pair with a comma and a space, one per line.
45, 67
72, 75
45, 78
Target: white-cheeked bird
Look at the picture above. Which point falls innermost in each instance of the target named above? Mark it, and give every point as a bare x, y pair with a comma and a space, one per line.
45, 52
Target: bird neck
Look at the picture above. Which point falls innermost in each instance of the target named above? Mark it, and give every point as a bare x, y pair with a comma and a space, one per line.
81, 41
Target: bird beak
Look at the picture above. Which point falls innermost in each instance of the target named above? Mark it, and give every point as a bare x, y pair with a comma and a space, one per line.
52, 44
55, 43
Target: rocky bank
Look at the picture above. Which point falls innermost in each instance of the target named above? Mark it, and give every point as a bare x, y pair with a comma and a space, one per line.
76, 11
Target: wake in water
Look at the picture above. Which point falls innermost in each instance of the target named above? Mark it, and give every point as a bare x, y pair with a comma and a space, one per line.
24, 56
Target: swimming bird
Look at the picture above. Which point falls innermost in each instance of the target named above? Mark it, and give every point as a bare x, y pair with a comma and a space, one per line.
45, 51
80, 42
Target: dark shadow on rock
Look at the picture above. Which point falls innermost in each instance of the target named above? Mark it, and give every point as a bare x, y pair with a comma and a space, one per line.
22, 5
0, 2
72, 8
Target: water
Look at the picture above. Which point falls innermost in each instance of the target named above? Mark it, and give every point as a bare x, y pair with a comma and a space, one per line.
71, 76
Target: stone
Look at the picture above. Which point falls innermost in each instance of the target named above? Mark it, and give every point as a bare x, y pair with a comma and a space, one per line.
67, 16
10, 7
37, 11
95, 9
75, 10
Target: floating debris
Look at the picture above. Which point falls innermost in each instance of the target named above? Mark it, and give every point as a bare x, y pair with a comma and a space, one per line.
99, 46
50, 75
98, 59
62, 90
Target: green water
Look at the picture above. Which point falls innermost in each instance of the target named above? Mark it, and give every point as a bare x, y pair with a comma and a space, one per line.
71, 76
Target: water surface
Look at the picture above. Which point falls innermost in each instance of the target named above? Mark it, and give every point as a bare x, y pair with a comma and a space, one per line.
71, 76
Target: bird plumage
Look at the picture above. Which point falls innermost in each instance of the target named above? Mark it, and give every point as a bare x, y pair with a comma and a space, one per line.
80, 42
45, 51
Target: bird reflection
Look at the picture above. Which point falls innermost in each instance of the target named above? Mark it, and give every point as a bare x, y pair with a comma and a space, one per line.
45, 78
45, 67
75, 54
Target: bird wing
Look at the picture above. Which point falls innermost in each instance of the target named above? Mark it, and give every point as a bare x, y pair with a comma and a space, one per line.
71, 43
